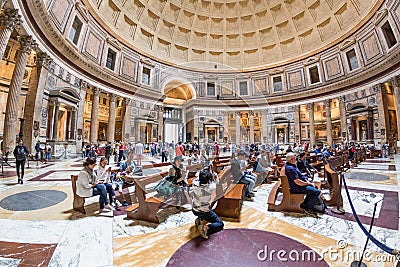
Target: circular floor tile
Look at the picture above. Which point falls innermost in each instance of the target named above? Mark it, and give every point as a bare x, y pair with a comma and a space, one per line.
32, 200
244, 247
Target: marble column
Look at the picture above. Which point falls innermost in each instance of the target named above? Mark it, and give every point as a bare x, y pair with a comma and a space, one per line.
396, 87
55, 120
382, 112
126, 123
310, 107
353, 130
137, 131
196, 126
370, 126
79, 116
94, 116
111, 119
297, 124
327, 103
264, 127
251, 127
34, 100
9, 20
50, 115
73, 123
343, 119
160, 120
237, 113
14, 92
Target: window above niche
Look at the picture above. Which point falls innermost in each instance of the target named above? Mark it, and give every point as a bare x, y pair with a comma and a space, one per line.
210, 88
352, 59
75, 31
277, 83
388, 33
110, 59
146, 75
243, 88
313, 75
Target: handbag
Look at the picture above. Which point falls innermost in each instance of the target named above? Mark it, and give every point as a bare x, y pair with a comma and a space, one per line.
165, 187
138, 171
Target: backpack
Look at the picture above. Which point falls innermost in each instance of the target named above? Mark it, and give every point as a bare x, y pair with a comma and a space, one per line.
317, 204
165, 187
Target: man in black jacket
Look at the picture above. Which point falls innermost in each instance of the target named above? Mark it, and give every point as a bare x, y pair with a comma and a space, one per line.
20, 154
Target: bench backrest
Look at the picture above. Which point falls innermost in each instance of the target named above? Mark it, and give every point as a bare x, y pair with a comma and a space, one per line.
141, 182
284, 184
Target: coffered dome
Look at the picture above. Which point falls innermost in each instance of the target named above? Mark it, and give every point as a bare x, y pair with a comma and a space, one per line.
244, 35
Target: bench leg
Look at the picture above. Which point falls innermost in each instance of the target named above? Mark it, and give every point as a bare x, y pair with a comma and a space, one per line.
289, 203
79, 204
146, 212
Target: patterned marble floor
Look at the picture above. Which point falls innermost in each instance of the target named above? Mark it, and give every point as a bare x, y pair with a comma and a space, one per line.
50, 233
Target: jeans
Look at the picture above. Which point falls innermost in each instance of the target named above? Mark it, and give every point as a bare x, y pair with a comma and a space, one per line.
121, 155
250, 183
110, 191
100, 189
48, 155
20, 164
311, 192
216, 224
163, 157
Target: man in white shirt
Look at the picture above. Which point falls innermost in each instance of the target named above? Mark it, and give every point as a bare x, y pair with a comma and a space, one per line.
139, 150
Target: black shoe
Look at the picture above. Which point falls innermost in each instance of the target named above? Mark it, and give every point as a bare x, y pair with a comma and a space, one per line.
19, 180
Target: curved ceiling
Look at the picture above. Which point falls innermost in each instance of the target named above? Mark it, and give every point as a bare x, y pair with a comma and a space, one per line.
226, 34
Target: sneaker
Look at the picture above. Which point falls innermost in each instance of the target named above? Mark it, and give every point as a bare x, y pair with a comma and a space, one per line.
109, 207
125, 204
248, 197
203, 230
251, 194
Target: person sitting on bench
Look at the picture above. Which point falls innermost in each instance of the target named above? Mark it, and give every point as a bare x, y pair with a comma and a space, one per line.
304, 166
204, 158
195, 157
298, 184
86, 185
238, 174
264, 164
204, 189
128, 166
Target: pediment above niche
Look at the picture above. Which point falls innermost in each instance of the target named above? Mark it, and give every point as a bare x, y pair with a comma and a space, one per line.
347, 43
380, 15
311, 60
147, 61
83, 11
276, 71
114, 43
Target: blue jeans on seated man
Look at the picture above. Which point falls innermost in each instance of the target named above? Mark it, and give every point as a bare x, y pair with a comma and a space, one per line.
311, 191
100, 189
110, 191
216, 224
249, 181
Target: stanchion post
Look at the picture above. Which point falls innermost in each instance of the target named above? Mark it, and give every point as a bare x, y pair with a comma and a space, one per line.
339, 209
2, 167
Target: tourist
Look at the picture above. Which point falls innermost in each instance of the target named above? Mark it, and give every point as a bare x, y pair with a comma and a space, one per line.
121, 152
238, 174
304, 166
20, 154
108, 149
204, 158
264, 164
298, 184
195, 159
179, 150
103, 176
178, 172
86, 185
139, 150
48, 151
203, 195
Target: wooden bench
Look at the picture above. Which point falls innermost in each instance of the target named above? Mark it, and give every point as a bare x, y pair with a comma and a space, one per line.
375, 153
147, 207
220, 163
290, 201
229, 205
334, 186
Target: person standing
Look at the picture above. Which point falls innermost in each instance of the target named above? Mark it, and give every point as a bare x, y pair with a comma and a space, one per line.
108, 152
179, 150
121, 150
216, 149
164, 153
139, 150
37, 150
48, 152
20, 154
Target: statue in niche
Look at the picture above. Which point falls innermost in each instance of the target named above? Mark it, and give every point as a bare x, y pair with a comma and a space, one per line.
281, 136
363, 132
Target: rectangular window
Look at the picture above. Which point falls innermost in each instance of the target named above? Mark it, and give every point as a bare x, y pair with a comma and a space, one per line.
277, 83
210, 88
110, 61
314, 75
352, 59
389, 35
146, 75
243, 89
75, 31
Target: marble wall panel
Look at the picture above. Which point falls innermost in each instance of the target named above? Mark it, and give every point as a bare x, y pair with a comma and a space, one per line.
93, 46
295, 79
128, 68
59, 11
370, 47
332, 67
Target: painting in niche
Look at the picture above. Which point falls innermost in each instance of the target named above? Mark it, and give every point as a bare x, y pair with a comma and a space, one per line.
280, 133
102, 134
392, 121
